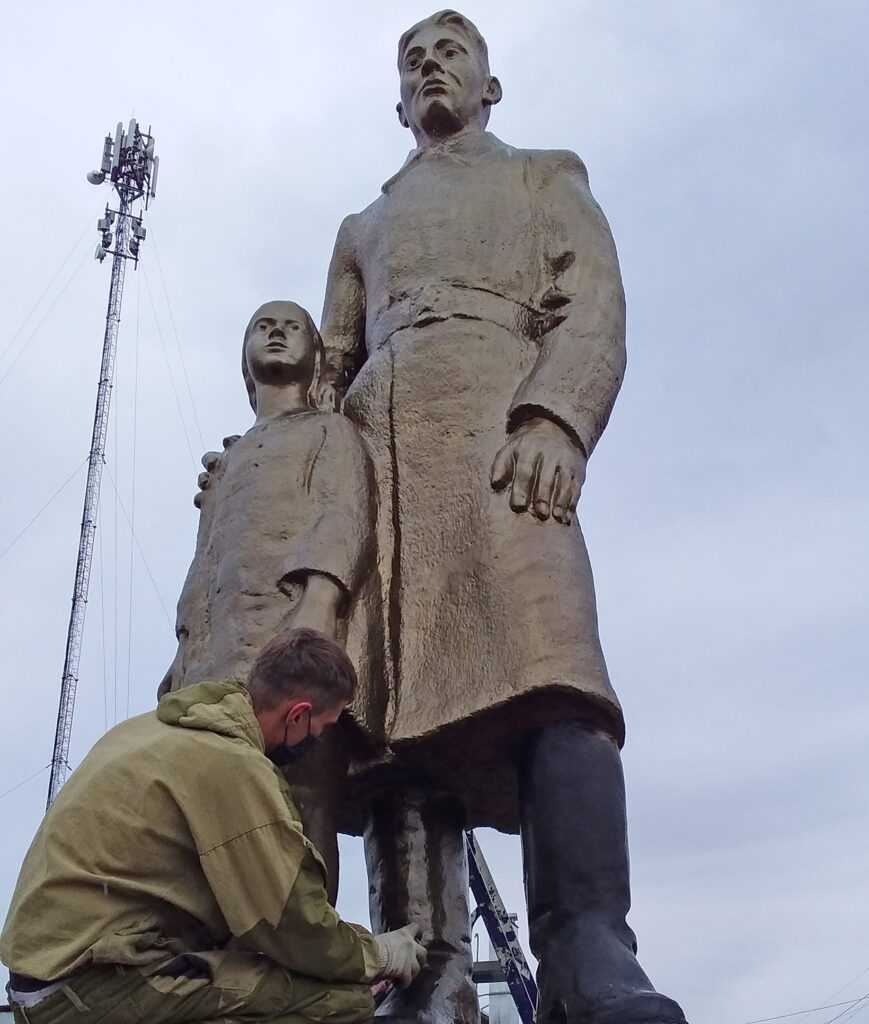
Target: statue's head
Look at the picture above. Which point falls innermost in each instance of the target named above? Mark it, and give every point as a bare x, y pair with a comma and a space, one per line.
446, 86
281, 347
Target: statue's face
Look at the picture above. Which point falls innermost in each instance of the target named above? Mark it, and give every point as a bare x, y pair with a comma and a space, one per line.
280, 348
445, 84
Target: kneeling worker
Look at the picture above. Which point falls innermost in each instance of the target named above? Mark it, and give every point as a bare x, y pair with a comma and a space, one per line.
171, 880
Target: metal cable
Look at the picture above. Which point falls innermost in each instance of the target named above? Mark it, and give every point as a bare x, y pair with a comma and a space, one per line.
851, 1012
115, 436
848, 984
177, 340
141, 552
21, 532
45, 292
24, 782
847, 1003
45, 316
103, 626
169, 367
133, 491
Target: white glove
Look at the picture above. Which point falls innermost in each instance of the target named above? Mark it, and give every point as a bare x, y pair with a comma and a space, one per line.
401, 957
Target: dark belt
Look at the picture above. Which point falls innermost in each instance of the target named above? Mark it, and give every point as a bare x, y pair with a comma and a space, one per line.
24, 983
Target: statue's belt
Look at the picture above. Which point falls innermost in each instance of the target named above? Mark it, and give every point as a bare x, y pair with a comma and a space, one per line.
435, 303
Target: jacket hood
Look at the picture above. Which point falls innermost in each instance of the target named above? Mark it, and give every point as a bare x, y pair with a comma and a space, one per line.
224, 708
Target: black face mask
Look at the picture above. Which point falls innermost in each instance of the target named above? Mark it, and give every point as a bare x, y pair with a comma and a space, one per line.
284, 755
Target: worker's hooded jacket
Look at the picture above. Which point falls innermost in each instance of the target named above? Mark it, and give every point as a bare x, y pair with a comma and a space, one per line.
177, 834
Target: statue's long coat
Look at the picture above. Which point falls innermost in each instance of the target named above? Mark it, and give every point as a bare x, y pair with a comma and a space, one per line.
481, 288
291, 497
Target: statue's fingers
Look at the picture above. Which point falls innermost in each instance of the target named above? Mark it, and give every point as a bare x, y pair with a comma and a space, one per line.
569, 507
572, 499
327, 398
577, 491
502, 467
228, 442
203, 480
545, 488
527, 466
561, 498
210, 460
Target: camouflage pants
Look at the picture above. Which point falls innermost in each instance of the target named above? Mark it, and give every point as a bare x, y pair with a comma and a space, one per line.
220, 987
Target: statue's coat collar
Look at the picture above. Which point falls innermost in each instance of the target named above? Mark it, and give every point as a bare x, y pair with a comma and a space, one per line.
461, 148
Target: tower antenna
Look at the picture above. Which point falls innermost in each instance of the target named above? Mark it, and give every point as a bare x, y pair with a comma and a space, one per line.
129, 162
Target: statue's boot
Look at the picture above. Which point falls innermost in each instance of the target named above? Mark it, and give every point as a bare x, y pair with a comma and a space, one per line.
574, 841
418, 872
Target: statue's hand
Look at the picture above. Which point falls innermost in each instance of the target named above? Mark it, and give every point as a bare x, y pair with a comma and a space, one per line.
545, 467
212, 461
329, 398
320, 602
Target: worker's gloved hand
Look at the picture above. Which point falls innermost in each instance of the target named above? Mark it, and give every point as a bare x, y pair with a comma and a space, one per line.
401, 957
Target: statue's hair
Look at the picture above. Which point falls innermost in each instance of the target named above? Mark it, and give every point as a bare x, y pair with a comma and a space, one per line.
452, 18
319, 354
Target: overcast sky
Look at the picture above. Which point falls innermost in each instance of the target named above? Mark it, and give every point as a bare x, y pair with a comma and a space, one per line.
727, 506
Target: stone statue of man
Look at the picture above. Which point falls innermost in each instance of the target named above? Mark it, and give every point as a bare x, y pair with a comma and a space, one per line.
474, 328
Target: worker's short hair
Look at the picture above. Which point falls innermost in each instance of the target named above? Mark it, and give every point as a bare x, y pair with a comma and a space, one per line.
305, 664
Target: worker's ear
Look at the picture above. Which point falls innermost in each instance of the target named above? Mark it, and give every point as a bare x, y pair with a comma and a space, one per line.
298, 709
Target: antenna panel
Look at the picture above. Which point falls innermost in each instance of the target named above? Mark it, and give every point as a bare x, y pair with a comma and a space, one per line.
119, 141
106, 165
155, 167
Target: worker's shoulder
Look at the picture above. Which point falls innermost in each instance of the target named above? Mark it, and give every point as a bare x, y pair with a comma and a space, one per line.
207, 768
207, 743
187, 750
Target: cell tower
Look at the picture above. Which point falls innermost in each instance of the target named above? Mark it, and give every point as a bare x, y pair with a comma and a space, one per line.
130, 164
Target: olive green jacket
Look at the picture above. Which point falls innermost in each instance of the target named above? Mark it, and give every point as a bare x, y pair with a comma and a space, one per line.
177, 834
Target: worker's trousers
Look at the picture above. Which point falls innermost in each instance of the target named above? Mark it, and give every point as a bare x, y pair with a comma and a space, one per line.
235, 987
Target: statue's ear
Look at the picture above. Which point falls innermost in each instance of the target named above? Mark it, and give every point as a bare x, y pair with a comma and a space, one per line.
492, 93
403, 121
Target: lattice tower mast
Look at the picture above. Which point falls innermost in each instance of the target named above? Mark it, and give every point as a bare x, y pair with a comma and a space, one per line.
131, 165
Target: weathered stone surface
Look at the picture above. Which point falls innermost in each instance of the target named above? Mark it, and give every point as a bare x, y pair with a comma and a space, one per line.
474, 332
474, 326
286, 531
